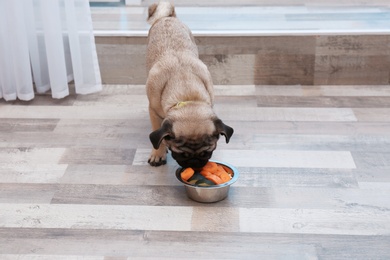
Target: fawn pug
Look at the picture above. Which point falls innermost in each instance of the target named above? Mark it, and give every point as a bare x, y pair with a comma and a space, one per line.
180, 92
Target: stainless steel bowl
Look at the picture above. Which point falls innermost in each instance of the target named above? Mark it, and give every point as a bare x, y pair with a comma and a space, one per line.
207, 194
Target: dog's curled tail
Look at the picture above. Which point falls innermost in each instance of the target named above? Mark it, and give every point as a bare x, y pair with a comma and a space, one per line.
160, 10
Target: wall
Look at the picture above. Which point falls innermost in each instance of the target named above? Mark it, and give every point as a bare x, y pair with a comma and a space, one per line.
280, 60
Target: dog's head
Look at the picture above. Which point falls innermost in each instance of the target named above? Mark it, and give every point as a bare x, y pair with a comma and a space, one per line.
193, 140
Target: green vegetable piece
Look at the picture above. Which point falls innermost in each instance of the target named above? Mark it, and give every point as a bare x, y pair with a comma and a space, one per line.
192, 182
197, 176
204, 182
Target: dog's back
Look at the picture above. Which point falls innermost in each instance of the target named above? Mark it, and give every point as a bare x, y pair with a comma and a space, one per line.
167, 35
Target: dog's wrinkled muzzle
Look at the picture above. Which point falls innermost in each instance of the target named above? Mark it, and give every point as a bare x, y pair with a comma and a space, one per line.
193, 163
190, 162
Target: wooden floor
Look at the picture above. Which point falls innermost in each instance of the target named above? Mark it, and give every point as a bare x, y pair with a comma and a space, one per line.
314, 184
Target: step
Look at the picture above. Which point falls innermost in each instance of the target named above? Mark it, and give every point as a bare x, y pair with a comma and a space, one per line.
271, 45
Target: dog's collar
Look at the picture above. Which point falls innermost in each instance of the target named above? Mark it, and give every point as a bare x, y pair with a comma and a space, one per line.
180, 104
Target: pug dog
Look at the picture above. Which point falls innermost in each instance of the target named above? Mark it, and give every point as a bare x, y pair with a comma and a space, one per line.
180, 92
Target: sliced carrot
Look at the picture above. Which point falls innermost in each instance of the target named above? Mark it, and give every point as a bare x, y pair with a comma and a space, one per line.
219, 170
210, 166
227, 169
221, 173
205, 173
216, 173
225, 177
214, 178
186, 174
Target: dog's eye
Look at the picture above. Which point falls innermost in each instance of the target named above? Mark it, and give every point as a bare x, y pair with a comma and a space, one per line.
202, 154
186, 155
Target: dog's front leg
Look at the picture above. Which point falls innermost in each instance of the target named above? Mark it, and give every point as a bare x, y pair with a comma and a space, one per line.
157, 157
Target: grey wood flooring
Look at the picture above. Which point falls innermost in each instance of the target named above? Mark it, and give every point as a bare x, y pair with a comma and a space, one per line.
314, 184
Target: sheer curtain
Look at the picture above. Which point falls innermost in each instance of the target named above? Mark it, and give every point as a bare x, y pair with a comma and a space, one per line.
46, 44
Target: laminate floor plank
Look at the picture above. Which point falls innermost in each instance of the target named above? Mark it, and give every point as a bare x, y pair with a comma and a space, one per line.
32, 156
135, 217
274, 158
77, 112
289, 159
323, 90
97, 156
314, 183
86, 138
118, 175
300, 177
287, 114
372, 160
26, 125
27, 193
304, 142
100, 126
27, 173
184, 218
380, 174
240, 196
50, 257
125, 242
250, 177
356, 102
311, 128
372, 114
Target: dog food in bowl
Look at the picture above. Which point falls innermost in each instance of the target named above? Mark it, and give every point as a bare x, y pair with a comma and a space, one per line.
208, 184
211, 174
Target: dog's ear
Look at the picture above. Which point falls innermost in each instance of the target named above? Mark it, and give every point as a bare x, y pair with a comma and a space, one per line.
223, 129
152, 8
165, 131
173, 13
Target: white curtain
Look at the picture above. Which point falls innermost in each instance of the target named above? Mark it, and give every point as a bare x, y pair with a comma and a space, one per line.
46, 44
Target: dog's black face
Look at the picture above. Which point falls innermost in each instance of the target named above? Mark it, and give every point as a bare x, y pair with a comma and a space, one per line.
192, 153
194, 148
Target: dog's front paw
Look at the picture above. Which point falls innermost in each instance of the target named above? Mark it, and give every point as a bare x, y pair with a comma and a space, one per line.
158, 157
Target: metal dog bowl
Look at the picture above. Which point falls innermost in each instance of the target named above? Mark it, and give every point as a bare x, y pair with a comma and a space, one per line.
207, 194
